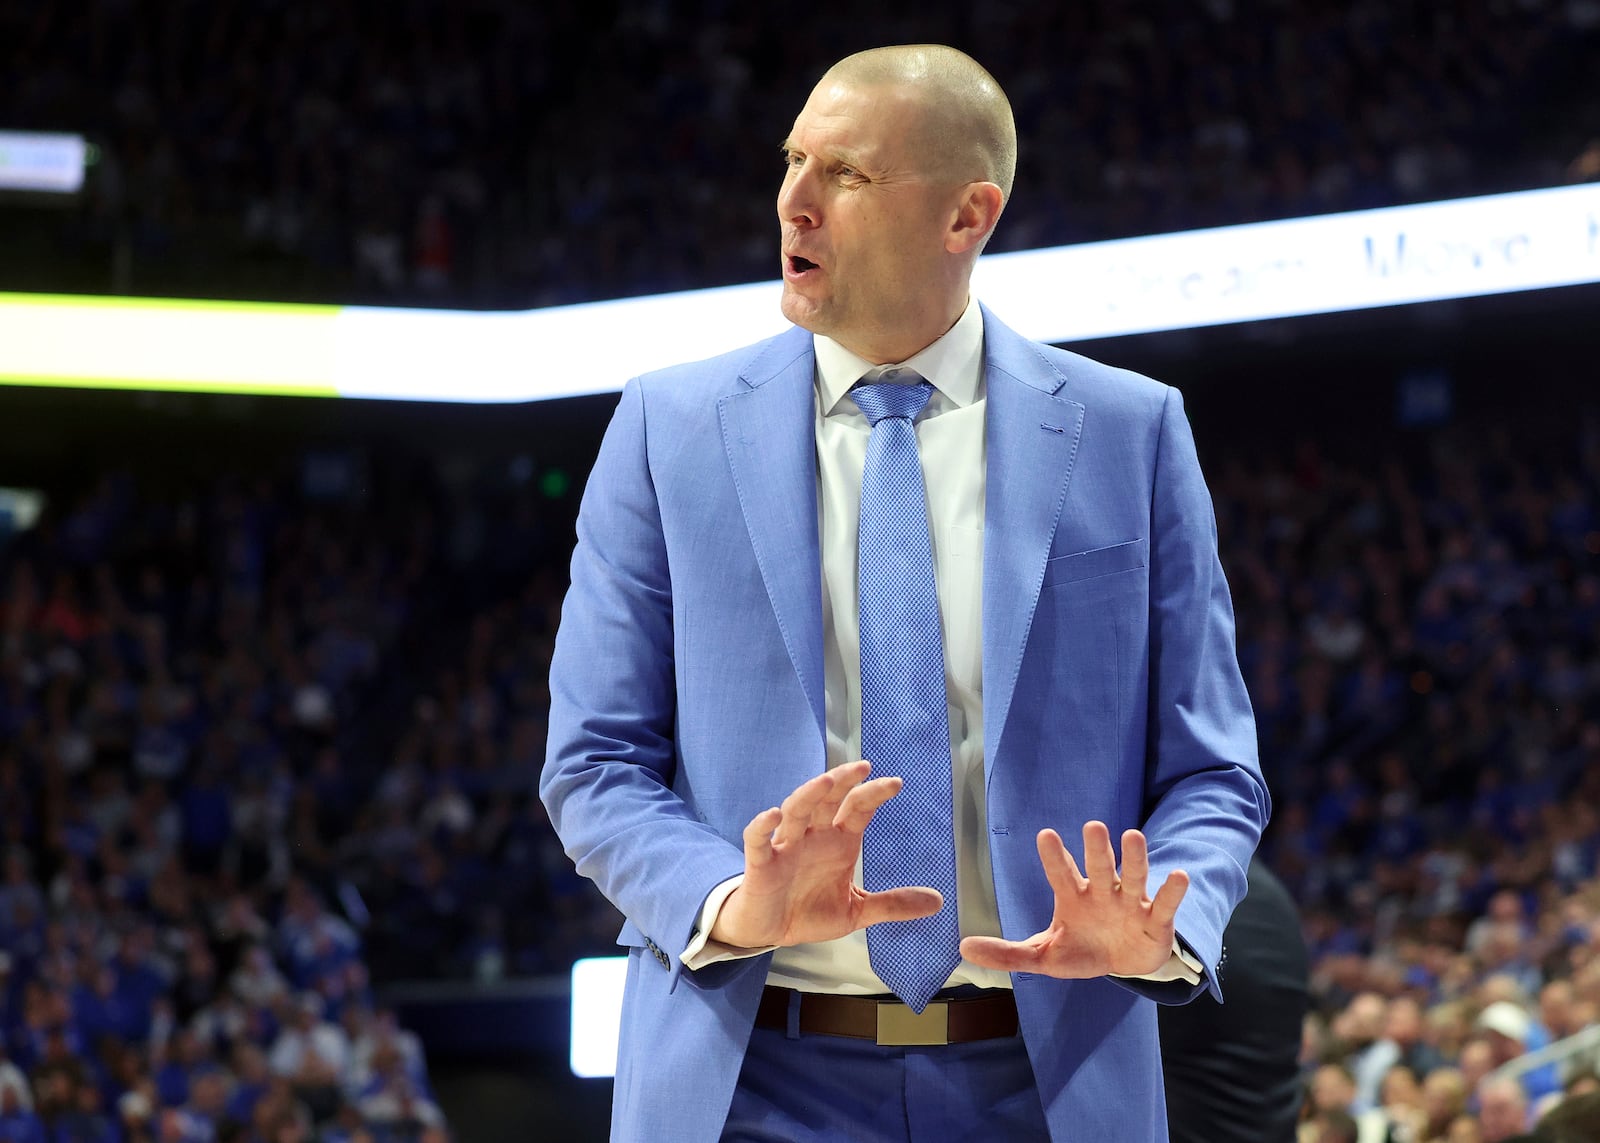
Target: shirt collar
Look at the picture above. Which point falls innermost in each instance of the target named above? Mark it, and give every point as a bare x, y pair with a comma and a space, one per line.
953, 363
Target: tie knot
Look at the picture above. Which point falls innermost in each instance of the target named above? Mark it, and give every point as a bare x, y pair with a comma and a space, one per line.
880, 399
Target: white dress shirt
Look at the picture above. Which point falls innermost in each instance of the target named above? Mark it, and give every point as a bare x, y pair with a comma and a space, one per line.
950, 443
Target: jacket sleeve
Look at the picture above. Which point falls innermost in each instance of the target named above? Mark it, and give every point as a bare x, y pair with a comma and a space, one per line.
1207, 802
611, 759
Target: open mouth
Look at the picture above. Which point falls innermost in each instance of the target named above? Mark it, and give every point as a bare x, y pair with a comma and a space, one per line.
799, 265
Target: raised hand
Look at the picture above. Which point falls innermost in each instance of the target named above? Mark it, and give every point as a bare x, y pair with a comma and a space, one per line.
799, 865
1103, 923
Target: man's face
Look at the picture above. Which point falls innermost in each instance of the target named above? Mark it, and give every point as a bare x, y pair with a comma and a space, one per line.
1331, 1090
864, 219
1502, 1115
1555, 1003
1403, 1023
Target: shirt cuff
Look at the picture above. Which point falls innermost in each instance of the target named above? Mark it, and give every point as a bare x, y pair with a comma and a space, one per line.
702, 949
1180, 966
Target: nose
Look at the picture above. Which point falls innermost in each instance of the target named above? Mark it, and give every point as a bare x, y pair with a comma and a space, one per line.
797, 199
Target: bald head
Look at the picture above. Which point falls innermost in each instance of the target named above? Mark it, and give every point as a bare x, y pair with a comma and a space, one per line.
895, 173
968, 134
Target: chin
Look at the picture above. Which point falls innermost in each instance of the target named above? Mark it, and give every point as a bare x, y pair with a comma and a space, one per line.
802, 312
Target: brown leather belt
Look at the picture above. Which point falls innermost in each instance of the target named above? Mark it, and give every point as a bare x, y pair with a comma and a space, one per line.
988, 1015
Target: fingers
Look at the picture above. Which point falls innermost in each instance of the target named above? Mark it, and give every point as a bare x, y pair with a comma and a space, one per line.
845, 779
796, 810
904, 904
1135, 863
814, 803
758, 837
1099, 859
999, 954
856, 811
1059, 867
1164, 909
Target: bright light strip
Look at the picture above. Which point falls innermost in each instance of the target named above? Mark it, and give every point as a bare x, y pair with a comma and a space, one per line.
596, 1015
1425, 252
1495, 244
152, 343
43, 161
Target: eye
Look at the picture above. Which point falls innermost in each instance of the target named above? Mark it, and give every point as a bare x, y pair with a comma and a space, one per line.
793, 158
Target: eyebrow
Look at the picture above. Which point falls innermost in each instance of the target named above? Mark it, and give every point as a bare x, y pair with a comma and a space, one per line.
844, 157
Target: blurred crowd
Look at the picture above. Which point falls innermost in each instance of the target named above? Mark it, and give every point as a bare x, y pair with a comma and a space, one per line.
187, 953
499, 153
1421, 637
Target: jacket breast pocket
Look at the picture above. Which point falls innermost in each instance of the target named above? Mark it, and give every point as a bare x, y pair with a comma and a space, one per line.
1095, 562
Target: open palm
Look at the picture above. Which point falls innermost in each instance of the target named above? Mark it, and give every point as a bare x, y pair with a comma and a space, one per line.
800, 860
1103, 923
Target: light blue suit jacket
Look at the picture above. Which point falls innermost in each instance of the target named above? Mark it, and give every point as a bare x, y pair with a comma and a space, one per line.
687, 696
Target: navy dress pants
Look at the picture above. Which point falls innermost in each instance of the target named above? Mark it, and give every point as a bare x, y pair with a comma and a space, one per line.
811, 1089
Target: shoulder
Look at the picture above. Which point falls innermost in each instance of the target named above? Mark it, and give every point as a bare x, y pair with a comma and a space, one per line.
1074, 376
1109, 389
694, 382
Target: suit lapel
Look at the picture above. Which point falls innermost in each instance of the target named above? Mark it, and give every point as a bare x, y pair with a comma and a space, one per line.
1032, 435
768, 431
1032, 441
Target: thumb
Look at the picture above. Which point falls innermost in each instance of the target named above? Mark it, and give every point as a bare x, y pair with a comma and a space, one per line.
903, 904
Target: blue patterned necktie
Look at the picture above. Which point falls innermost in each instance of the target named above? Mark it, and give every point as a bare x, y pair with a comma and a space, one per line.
905, 723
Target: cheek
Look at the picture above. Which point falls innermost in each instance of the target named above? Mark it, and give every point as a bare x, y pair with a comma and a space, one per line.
910, 239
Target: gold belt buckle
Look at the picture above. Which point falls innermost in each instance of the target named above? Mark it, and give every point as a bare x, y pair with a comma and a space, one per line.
900, 1027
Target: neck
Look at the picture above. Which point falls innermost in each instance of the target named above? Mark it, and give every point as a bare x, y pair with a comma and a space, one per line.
891, 350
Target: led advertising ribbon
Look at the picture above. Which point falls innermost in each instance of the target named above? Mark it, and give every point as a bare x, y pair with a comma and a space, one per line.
1493, 244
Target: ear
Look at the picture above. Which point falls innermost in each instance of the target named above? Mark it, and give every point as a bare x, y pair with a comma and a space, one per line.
976, 213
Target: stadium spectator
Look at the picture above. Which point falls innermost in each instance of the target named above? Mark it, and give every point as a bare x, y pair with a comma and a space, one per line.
19, 1124
1502, 1109
1358, 1029
12, 1081
1336, 1127
311, 1052
1403, 1034
1576, 1120
1444, 1100
84, 1119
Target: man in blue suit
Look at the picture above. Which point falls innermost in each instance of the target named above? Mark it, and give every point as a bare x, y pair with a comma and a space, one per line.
740, 622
